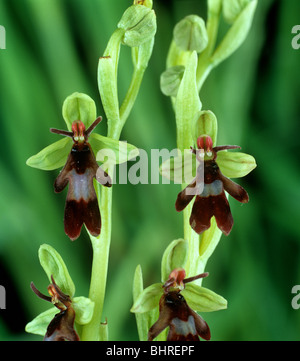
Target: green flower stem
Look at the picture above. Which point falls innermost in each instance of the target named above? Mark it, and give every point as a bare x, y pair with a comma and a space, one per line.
101, 245
131, 94
204, 62
93, 331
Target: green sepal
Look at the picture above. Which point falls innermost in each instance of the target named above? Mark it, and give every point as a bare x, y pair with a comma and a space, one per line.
180, 169
235, 164
206, 123
175, 256
148, 299
38, 326
53, 156
202, 299
53, 265
170, 80
79, 106
84, 309
117, 151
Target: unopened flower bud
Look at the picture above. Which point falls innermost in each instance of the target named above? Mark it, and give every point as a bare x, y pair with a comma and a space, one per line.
139, 25
190, 34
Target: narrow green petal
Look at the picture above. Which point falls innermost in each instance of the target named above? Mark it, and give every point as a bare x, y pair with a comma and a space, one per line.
52, 157
235, 164
202, 299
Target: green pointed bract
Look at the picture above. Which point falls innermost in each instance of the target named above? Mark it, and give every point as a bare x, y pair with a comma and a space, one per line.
188, 104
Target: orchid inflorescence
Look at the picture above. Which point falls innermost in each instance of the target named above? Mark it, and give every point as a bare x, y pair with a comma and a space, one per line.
166, 310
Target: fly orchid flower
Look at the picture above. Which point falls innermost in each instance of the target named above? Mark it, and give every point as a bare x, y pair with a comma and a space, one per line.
208, 188
78, 154
184, 323
61, 328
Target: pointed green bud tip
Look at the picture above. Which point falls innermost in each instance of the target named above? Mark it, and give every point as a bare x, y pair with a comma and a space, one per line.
79, 106
190, 34
170, 80
233, 8
139, 25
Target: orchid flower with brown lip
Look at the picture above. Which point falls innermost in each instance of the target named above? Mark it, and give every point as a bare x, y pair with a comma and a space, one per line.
61, 328
77, 154
79, 171
174, 312
208, 188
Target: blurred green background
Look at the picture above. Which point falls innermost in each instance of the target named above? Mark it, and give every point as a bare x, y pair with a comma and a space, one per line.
53, 48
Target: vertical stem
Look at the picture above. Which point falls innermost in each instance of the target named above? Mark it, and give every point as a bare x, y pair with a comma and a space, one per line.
101, 246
